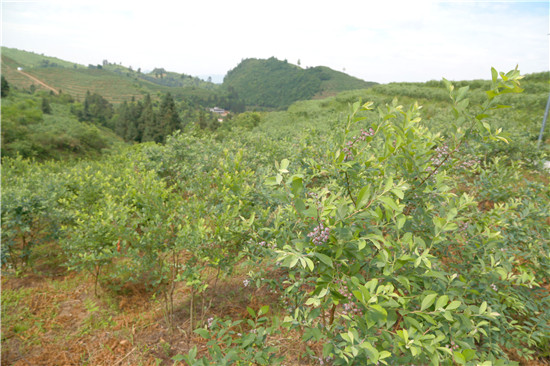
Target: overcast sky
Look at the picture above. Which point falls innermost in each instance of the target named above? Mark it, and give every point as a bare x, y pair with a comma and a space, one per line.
377, 40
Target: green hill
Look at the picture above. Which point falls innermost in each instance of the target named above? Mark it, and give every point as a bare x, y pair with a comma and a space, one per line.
276, 84
27, 59
116, 83
270, 83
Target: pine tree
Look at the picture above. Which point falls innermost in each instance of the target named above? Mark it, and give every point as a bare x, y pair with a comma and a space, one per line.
46, 106
169, 118
5, 87
152, 130
121, 120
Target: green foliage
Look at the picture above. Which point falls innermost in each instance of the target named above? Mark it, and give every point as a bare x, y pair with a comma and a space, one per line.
95, 109
277, 84
5, 87
46, 108
162, 77
30, 212
396, 233
168, 115
382, 229
30, 131
227, 346
247, 121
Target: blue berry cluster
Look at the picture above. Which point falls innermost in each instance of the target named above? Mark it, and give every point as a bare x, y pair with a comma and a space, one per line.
361, 137
319, 235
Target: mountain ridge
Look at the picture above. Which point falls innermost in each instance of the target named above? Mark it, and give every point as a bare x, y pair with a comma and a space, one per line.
269, 84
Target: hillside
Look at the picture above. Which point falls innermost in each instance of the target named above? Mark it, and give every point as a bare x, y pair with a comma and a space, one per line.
276, 84
254, 83
116, 83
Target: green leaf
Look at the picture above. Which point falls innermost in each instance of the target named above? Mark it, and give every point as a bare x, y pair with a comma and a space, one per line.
284, 165
342, 211
309, 263
293, 261
297, 186
468, 354
483, 307
203, 333
411, 322
371, 351
384, 354
263, 310
388, 184
459, 358
462, 92
327, 350
346, 337
428, 301
453, 305
494, 74
363, 196
251, 311
379, 313
271, 181
401, 219
179, 357
324, 258
300, 206
313, 301
247, 340
441, 302
398, 193
389, 202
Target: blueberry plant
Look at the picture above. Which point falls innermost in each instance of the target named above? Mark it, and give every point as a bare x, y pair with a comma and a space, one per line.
390, 264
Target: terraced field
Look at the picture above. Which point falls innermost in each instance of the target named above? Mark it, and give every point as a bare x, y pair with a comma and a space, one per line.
16, 78
70, 78
30, 59
77, 82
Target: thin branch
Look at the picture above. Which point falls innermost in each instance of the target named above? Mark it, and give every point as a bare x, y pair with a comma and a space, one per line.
349, 190
123, 358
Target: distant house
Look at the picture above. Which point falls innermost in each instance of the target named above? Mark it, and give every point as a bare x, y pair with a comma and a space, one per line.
220, 111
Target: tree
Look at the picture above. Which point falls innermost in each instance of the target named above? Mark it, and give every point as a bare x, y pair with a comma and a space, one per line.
5, 87
169, 118
152, 131
46, 106
121, 120
95, 109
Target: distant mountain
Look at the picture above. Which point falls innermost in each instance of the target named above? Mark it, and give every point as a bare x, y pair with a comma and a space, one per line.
276, 84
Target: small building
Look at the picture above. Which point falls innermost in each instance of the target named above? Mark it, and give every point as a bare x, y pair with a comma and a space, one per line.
220, 111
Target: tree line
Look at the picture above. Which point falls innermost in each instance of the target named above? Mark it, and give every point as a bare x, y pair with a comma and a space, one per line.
144, 120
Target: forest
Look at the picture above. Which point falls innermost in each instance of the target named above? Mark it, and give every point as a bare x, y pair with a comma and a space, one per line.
397, 224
